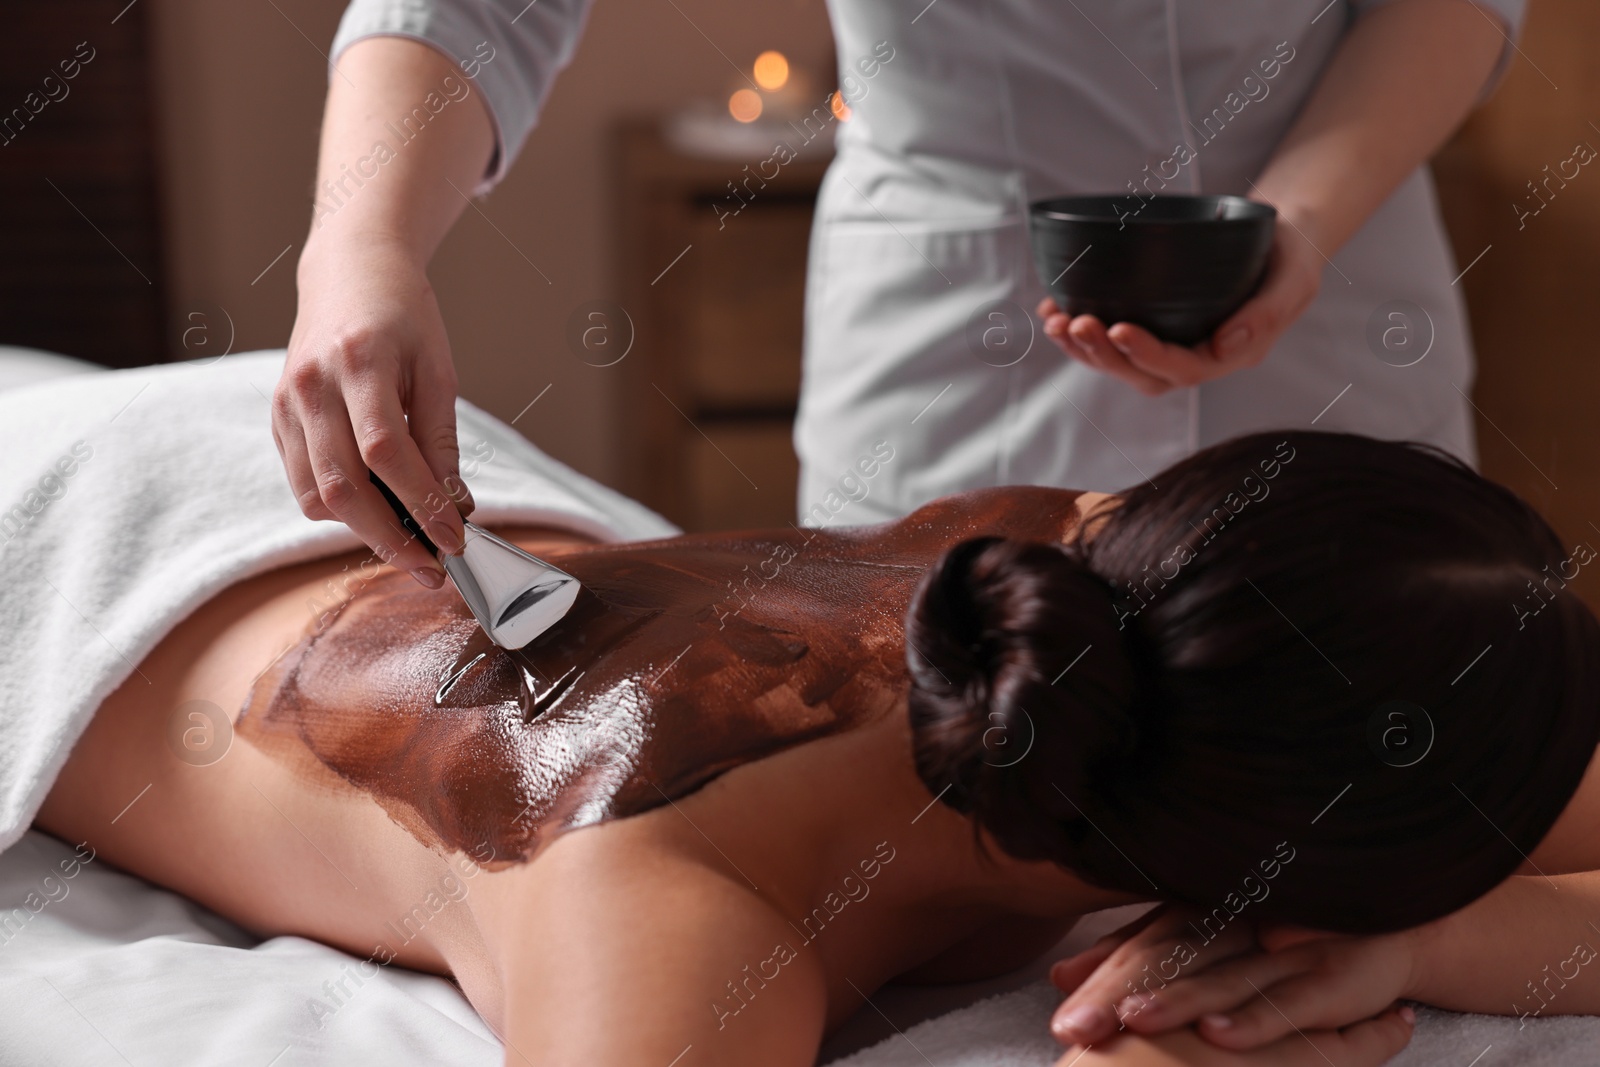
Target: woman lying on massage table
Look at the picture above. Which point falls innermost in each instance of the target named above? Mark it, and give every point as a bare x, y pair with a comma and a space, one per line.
1186, 694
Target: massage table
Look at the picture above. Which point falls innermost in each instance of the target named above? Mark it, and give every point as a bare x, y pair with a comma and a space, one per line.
104, 968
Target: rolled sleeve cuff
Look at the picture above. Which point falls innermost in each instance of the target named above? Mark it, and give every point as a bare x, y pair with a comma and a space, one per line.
511, 51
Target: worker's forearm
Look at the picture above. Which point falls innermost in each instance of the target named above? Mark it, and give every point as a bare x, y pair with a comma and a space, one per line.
1401, 81
1531, 947
405, 137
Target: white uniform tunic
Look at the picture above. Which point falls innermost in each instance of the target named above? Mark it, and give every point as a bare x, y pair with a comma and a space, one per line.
962, 112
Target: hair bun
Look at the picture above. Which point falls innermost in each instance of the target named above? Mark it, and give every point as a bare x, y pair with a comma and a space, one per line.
956, 612
1022, 688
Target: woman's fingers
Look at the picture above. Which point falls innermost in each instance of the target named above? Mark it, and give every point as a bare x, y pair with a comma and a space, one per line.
1227, 987
1326, 982
1090, 1016
1174, 363
1144, 963
1070, 972
1303, 1000
342, 482
1249, 333
1056, 326
1369, 1043
291, 442
369, 386
1294, 275
388, 448
1083, 337
1091, 337
433, 427
1135, 355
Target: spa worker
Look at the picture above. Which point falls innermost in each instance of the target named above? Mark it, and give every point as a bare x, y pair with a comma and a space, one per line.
963, 111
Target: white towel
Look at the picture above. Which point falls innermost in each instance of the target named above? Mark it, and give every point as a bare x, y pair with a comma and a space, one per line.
130, 498
101, 969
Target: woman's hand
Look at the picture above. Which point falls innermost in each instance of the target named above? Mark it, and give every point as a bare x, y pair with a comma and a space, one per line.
1316, 982
1347, 151
369, 385
1237, 997
1365, 1044
1152, 366
1119, 972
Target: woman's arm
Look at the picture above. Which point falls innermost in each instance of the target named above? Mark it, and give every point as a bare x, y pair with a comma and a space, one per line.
1365, 1044
1528, 949
1403, 78
368, 348
622, 950
1523, 949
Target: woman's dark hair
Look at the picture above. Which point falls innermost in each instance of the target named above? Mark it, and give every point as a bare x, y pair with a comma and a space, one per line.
1311, 677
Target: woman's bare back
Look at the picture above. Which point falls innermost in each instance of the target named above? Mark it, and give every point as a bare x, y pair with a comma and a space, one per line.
681, 659
303, 827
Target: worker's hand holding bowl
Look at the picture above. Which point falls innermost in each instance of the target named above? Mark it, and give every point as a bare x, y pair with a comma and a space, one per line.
1169, 291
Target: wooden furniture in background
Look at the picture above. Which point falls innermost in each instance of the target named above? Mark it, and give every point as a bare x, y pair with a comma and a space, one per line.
1534, 293
715, 299
718, 334
80, 262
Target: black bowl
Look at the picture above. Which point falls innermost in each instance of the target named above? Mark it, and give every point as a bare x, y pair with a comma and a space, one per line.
1176, 265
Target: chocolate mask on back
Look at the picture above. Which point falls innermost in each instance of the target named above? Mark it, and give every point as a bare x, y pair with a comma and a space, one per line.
680, 660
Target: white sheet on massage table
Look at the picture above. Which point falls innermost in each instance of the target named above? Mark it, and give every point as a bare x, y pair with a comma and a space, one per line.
119, 970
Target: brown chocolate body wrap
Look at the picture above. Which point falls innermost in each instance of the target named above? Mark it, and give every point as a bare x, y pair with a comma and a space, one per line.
681, 659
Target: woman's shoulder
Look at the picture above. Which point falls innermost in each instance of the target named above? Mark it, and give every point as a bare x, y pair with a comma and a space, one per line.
1021, 512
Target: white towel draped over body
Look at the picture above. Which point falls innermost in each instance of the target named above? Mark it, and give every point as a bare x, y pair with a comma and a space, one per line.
130, 498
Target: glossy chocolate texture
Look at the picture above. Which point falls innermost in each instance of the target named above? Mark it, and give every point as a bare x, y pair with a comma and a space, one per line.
682, 659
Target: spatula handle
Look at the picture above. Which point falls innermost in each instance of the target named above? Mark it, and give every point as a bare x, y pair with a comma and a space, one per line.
410, 524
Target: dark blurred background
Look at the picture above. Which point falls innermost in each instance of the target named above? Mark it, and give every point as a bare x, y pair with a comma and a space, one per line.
156, 210
143, 215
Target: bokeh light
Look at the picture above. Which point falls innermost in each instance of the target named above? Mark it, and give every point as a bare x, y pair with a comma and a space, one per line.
840, 109
771, 70
745, 105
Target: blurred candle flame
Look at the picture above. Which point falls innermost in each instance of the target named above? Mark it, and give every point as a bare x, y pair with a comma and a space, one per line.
771, 70
840, 109
745, 105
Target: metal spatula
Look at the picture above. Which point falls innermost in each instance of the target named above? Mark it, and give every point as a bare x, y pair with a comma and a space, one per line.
515, 596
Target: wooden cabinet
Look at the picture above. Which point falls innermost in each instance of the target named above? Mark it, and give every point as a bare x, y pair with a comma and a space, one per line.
80, 249
714, 300
1529, 241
